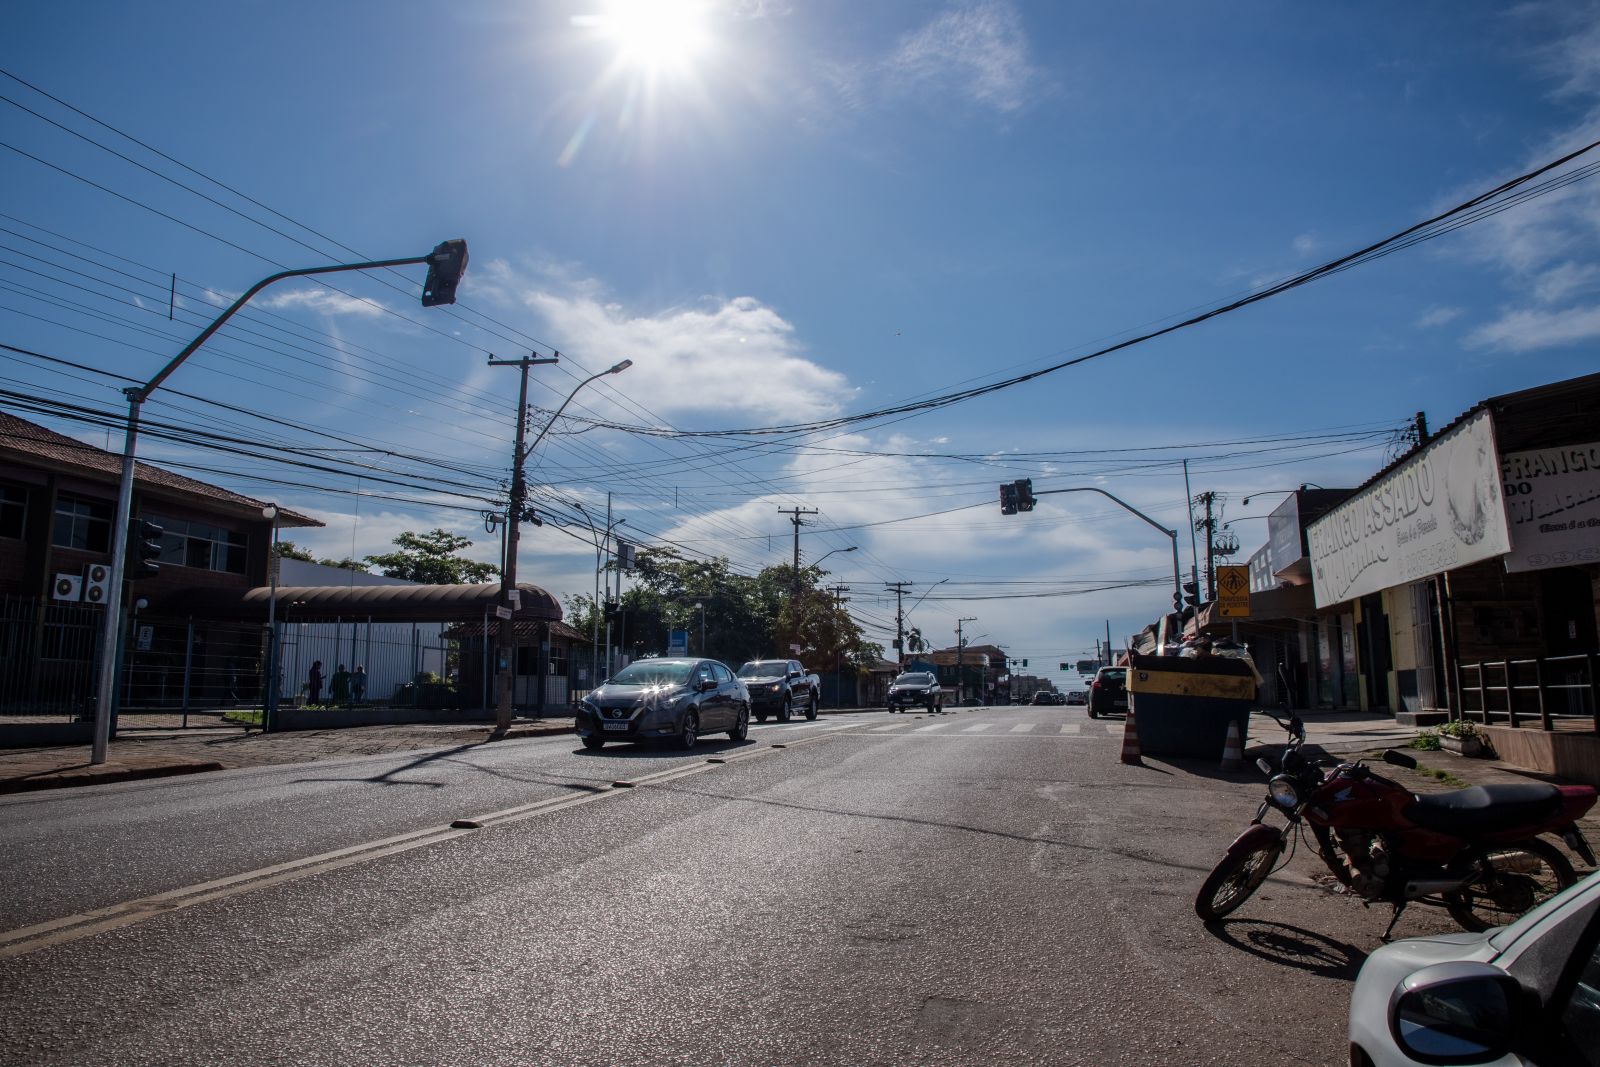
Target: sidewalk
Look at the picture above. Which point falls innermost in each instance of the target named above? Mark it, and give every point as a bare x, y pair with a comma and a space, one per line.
144, 753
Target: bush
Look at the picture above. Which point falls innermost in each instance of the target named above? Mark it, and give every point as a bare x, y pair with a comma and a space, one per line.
1427, 740
1460, 728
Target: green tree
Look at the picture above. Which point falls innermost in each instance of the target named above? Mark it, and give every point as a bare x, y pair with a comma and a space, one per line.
346, 564
431, 559
290, 550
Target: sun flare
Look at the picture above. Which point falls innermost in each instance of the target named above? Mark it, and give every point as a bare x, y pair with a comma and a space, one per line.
656, 35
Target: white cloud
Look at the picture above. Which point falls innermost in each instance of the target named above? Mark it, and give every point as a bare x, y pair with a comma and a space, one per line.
326, 302
1439, 316
1567, 279
735, 359
1306, 243
1528, 329
979, 50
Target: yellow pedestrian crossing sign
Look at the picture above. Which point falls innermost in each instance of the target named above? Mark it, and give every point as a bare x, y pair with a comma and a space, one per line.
1233, 592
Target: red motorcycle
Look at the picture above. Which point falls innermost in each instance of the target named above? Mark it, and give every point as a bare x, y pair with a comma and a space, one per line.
1475, 851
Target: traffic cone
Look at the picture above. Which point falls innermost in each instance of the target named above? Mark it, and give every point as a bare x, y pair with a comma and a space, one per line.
1233, 750
1130, 739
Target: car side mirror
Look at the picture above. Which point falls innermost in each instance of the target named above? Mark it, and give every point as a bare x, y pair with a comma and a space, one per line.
1456, 1013
707, 684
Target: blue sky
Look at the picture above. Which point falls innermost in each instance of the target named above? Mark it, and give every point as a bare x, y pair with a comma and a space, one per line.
786, 212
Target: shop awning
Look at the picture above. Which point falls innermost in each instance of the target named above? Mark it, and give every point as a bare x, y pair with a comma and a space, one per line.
388, 603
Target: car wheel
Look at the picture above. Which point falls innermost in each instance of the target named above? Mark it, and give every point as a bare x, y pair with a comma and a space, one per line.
786, 712
741, 728
761, 716
594, 744
811, 707
1093, 714
689, 732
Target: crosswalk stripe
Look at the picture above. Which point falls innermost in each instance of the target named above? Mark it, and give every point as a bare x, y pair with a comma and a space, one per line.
1022, 728
930, 728
1071, 729
891, 727
977, 728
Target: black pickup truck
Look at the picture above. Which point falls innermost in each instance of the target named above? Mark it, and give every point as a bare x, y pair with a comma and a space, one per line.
779, 687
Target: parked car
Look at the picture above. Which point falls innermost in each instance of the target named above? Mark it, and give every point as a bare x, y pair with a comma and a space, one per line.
1077, 696
916, 687
677, 699
779, 687
1527, 994
1108, 692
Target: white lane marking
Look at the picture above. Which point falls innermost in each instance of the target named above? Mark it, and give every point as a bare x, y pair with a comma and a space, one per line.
1022, 728
901, 725
977, 728
1116, 729
1070, 729
930, 728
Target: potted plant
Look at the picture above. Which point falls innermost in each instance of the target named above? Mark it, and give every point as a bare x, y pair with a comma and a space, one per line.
1462, 737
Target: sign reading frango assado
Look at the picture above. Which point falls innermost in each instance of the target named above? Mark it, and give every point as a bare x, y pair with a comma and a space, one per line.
1439, 510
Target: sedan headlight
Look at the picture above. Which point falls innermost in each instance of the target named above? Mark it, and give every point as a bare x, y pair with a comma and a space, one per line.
1283, 792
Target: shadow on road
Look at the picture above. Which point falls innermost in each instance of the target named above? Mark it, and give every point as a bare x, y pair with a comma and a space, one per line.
1291, 946
662, 749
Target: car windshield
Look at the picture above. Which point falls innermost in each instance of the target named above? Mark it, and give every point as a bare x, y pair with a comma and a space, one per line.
654, 672
775, 669
914, 679
1118, 675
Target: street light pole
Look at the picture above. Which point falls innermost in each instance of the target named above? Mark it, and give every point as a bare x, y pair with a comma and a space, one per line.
505, 665
961, 646
446, 264
269, 705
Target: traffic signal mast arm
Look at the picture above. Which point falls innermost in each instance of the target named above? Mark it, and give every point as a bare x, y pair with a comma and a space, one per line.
1177, 578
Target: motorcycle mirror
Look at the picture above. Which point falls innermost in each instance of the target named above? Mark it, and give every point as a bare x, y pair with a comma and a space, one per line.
1266, 768
1399, 759
1297, 728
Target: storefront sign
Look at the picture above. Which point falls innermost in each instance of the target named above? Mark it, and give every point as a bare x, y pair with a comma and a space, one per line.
1439, 510
678, 643
1553, 506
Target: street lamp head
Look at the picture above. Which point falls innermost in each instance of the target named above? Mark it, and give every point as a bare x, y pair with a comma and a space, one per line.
270, 511
620, 367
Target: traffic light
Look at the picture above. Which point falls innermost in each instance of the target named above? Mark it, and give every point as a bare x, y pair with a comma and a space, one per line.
1065, 666
144, 550
1023, 488
1191, 594
1008, 498
446, 264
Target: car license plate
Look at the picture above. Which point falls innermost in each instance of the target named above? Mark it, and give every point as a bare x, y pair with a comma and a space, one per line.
1119, 703
616, 725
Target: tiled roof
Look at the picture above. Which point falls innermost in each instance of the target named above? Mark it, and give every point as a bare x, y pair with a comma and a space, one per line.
21, 438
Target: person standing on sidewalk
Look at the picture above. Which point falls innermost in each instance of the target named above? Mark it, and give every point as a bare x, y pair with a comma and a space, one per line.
339, 686
358, 685
314, 684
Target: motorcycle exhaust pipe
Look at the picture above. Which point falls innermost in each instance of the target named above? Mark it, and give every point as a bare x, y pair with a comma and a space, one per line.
1418, 888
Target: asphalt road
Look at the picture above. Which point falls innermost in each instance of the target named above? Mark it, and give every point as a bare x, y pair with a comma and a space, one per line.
991, 886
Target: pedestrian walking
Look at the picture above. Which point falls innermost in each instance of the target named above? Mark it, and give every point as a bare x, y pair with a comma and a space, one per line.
314, 684
358, 684
339, 686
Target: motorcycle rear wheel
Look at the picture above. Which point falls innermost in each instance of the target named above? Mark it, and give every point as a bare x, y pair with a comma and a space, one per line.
1235, 880
1525, 875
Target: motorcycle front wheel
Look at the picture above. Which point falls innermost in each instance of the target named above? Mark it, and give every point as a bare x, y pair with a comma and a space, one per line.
1516, 879
1232, 881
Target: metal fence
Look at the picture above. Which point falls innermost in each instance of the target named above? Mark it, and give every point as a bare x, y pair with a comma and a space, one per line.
49, 653
1552, 693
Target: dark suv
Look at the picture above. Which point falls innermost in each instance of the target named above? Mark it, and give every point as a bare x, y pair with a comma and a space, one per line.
916, 687
1108, 692
779, 687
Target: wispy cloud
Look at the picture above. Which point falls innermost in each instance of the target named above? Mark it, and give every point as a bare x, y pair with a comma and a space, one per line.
1306, 243
1524, 330
325, 301
979, 51
1439, 316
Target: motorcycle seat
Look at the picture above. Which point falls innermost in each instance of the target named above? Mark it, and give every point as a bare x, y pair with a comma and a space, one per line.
1480, 810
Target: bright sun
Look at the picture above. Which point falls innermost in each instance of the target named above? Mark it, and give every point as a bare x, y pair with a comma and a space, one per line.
656, 35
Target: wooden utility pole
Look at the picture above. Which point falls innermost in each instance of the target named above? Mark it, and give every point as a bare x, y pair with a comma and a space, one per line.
899, 620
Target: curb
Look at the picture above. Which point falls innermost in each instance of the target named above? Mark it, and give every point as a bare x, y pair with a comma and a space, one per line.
73, 779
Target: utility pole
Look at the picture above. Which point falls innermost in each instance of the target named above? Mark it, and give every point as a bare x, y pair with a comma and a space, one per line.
1194, 550
794, 588
505, 628
839, 599
961, 644
899, 620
